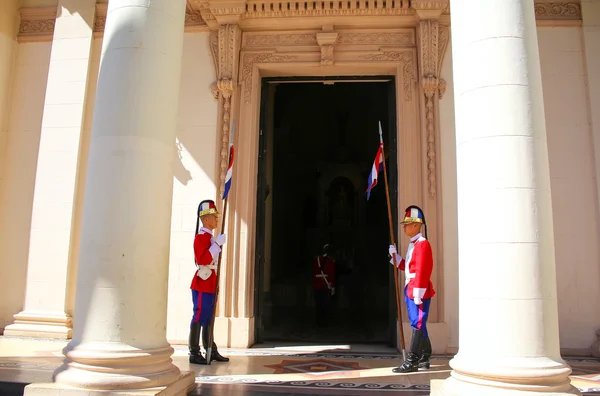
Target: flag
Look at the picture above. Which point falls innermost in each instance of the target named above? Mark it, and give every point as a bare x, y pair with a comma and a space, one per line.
377, 165
229, 166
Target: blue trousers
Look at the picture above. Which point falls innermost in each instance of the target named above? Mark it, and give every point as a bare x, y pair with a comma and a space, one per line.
204, 303
417, 314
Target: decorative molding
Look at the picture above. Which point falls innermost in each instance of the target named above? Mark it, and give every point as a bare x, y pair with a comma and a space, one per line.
37, 24
327, 41
100, 20
406, 57
558, 10
443, 40
214, 49
276, 9
391, 39
193, 17
248, 61
225, 47
433, 41
270, 40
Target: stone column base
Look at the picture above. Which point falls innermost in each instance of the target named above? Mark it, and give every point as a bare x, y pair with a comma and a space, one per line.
452, 387
185, 384
41, 325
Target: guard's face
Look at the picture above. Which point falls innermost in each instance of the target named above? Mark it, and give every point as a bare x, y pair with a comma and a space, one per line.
412, 229
210, 221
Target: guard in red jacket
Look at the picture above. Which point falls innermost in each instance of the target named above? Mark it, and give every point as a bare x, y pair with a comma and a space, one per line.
204, 283
323, 284
418, 290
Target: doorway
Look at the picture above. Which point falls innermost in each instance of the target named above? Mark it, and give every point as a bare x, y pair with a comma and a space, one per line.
318, 140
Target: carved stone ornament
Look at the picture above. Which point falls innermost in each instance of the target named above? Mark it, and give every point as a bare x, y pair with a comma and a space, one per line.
225, 47
388, 39
326, 41
271, 40
37, 24
248, 61
406, 57
558, 10
433, 41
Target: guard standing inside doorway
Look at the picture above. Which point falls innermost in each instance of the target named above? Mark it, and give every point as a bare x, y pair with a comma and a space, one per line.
418, 289
204, 283
323, 284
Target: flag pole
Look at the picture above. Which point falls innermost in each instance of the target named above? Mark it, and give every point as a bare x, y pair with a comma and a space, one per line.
223, 222
389, 207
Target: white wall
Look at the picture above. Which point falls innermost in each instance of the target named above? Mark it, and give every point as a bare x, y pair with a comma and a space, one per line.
195, 175
16, 200
573, 182
449, 204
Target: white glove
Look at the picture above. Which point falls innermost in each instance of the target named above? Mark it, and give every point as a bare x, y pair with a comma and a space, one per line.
418, 301
393, 251
221, 239
332, 291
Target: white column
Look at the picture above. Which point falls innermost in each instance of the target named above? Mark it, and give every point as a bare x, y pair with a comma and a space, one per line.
119, 335
508, 325
45, 313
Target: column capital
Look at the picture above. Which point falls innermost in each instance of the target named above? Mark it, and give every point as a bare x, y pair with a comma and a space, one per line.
220, 12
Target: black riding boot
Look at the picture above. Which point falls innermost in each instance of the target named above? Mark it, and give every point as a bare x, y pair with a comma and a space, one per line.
194, 345
214, 353
426, 354
411, 364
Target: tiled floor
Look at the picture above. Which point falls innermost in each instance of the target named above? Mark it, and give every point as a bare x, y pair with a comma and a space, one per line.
270, 369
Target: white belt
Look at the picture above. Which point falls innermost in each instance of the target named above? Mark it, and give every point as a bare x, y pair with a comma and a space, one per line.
409, 276
210, 266
321, 276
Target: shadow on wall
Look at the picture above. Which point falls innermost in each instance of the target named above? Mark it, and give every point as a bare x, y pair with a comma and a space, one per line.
180, 172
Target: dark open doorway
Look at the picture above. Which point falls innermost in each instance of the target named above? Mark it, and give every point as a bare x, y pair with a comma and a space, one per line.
317, 146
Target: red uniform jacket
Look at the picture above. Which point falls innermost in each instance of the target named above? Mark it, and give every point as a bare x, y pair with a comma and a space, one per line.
206, 252
420, 267
328, 268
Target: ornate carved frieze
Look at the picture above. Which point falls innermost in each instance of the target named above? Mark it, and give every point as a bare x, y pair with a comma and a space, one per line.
273, 40
278, 9
248, 61
558, 10
100, 20
37, 24
406, 58
406, 38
